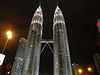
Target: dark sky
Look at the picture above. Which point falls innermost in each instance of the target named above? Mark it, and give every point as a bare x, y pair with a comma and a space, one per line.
80, 17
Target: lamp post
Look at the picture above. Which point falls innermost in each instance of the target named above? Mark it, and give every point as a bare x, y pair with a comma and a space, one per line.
2, 56
9, 36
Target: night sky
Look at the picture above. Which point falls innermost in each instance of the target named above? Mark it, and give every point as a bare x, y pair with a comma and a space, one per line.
80, 18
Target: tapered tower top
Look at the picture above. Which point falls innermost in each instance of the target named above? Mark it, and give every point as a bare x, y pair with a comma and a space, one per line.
38, 11
58, 12
38, 16
58, 16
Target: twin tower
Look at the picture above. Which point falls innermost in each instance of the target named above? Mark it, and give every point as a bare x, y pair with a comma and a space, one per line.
27, 58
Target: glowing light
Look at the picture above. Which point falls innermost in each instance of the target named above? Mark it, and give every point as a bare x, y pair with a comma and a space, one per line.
89, 69
98, 24
9, 34
9, 72
80, 70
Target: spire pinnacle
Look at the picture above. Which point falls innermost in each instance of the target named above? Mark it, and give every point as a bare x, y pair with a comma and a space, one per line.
58, 12
38, 11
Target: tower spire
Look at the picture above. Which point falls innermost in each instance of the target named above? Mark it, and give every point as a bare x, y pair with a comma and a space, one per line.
39, 11
58, 12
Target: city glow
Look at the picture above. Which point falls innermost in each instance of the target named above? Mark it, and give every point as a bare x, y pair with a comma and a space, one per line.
89, 69
80, 70
9, 34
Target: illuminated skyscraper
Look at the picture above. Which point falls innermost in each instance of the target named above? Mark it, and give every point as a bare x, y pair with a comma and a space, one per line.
28, 56
62, 62
32, 54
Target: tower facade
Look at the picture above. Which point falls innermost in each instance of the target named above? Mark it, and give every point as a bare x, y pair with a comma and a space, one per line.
30, 52
62, 62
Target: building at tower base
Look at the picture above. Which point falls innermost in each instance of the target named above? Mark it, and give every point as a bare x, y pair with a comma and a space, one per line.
18, 64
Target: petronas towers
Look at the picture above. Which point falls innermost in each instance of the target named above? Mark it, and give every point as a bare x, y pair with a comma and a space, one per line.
27, 58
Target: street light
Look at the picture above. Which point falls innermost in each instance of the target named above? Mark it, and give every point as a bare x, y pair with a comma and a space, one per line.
80, 71
89, 69
9, 36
